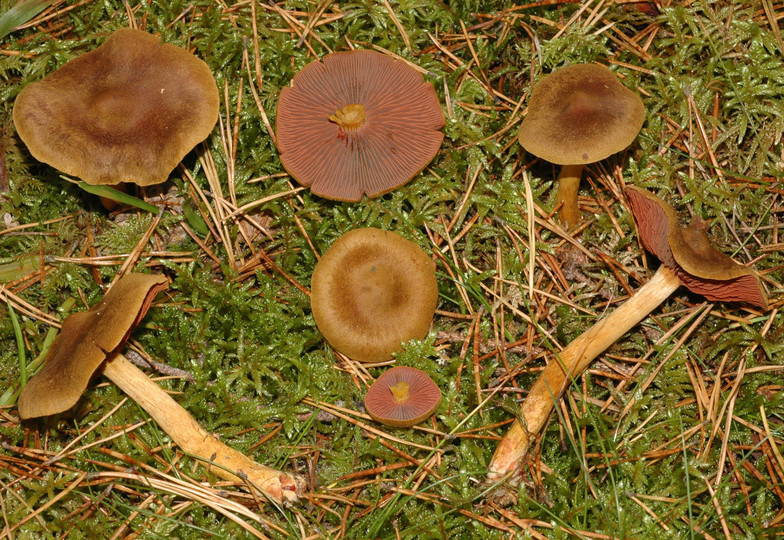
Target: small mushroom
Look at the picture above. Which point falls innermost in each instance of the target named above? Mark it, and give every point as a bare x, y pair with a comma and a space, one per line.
371, 291
93, 338
402, 397
687, 259
577, 115
127, 111
357, 123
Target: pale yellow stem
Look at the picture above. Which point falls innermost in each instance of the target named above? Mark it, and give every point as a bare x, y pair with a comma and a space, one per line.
186, 433
568, 188
400, 392
349, 117
571, 362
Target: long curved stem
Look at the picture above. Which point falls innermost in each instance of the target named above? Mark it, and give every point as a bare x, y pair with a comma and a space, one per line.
568, 188
193, 439
577, 356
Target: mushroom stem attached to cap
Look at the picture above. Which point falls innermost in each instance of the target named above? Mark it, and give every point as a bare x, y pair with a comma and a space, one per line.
93, 338
568, 188
687, 259
571, 362
193, 439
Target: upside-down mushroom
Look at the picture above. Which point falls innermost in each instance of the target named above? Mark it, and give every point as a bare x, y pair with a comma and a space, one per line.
127, 111
93, 338
357, 123
578, 115
402, 397
687, 259
371, 291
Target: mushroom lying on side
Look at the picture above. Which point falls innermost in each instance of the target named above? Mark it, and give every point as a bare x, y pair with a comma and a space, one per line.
93, 338
371, 291
687, 258
577, 115
402, 397
127, 111
357, 123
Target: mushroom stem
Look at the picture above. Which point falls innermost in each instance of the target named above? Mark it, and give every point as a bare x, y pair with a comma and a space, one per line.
400, 392
193, 439
568, 187
349, 117
571, 362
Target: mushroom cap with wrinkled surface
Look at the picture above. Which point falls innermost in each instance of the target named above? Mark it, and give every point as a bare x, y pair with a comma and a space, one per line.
371, 291
580, 114
422, 399
84, 342
127, 111
398, 135
687, 250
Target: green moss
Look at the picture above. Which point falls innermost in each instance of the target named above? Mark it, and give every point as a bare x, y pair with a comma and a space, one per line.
250, 342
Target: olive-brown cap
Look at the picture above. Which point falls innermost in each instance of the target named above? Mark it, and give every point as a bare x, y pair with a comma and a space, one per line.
687, 250
580, 114
84, 342
371, 291
127, 111
357, 123
402, 397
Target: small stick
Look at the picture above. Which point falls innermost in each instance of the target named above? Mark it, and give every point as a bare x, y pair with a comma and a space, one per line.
193, 439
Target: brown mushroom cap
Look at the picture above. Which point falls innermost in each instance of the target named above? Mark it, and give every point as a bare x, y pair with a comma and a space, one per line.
580, 114
371, 291
402, 396
701, 267
85, 340
128, 111
357, 123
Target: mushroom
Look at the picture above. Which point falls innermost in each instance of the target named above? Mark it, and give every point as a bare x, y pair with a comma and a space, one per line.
127, 111
371, 291
402, 397
357, 123
93, 338
577, 115
687, 259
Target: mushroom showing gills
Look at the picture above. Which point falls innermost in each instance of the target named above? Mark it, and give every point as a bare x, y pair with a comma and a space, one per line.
687, 259
357, 123
93, 338
371, 291
577, 115
127, 111
402, 397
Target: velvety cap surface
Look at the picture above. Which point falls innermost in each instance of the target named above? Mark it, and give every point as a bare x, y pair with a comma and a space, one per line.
580, 114
371, 291
84, 341
399, 137
128, 111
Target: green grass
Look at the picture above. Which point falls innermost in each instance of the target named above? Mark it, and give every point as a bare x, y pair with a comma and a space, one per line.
246, 334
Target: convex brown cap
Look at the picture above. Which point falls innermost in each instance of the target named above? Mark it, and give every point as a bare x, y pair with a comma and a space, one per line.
580, 114
700, 267
85, 340
402, 397
371, 291
128, 111
357, 123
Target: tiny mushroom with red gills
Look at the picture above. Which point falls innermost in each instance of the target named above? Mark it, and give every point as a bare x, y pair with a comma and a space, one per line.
402, 397
127, 111
687, 259
357, 123
91, 339
371, 291
578, 115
